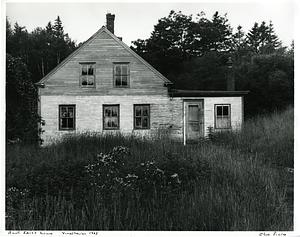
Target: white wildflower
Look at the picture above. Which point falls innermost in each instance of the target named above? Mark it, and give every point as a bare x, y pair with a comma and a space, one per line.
160, 171
174, 175
131, 176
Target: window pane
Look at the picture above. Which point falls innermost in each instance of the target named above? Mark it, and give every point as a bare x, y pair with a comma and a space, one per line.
225, 110
138, 122
111, 122
118, 80
145, 111
124, 69
114, 122
107, 112
223, 122
84, 81
145, 122
70, 123
118, 70
124, 80
91, 70
219, 111
106, 122
114, 112
193, 113
63, 122
70, 112
193, 127
138, 111
84, 70
64, 115
91, 81
63, 111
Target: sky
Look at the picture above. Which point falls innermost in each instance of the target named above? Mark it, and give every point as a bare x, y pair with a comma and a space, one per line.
136, 20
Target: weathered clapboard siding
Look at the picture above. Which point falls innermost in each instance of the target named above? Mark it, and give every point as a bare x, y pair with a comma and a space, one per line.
165, 113
236, 115
104, 51
146, 86
236, 111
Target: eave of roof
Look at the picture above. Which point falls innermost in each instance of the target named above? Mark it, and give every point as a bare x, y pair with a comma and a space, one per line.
103, 28
199, 93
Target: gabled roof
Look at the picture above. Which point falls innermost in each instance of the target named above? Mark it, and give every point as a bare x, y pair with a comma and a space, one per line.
104, 29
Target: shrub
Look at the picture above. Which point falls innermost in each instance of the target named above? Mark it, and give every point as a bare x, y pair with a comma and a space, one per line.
113, 172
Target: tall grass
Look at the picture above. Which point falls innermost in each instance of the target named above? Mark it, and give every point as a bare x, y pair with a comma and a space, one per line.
269, 137
234, 182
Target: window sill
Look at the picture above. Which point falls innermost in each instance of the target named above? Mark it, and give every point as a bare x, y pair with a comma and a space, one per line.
87, 87
223, 128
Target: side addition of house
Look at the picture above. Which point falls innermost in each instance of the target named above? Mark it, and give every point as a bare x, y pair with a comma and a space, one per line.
105, 87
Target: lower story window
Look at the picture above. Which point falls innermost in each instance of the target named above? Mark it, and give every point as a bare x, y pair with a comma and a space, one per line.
66, 117
111, 117
141, 116
222, 116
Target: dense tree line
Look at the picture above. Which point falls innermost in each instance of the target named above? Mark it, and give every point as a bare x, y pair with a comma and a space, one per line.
191, 52
29, 57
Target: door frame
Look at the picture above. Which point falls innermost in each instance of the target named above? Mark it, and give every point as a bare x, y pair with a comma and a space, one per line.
185, 102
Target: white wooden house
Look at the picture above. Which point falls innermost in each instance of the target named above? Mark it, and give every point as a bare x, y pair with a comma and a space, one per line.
104, 86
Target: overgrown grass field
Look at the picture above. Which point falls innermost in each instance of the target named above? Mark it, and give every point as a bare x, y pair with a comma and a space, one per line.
234, 181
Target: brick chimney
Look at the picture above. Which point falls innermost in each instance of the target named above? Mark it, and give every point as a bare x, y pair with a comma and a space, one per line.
110, 25
230, 76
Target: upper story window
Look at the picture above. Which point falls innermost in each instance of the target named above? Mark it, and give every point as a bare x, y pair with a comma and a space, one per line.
222, 116
121, 74
87, 75
66, 117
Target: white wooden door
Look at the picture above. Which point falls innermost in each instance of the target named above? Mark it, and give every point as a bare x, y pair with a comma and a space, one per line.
194, 120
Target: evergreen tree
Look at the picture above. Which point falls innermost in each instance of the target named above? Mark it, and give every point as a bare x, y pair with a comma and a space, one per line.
21, 102
58, 28
239, 37
30, 56
291, 49
222, 33
9, 35
49, 28
254, 38
262, 39
239, 49
272, 40
59, 39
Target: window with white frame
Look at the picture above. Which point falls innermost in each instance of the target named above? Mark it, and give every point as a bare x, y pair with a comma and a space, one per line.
87, 74
111, 117
222, 116
66, 117
142, 116
121, 74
